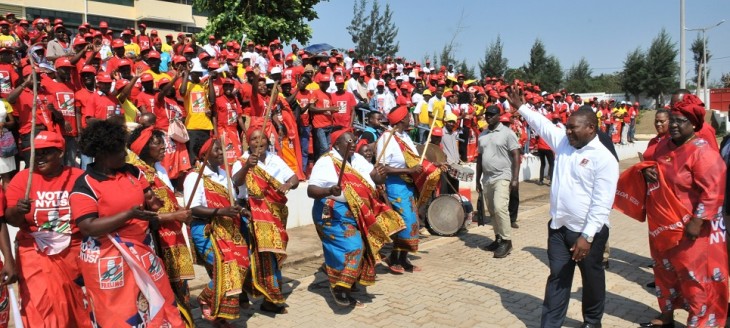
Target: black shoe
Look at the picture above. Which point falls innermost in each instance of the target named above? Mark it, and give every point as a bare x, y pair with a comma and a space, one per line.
515, 225
341, 296
503, 250
651, 285
651, 324
493, 246
590, 325
605, 265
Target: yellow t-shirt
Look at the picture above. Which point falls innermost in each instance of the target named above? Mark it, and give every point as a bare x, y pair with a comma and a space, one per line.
157, 77
196, 105
423, 115
132, 48
166, 48
438, 111
618, 113
8, 41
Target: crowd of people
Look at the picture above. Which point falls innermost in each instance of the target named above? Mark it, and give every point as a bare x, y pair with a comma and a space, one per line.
231, 128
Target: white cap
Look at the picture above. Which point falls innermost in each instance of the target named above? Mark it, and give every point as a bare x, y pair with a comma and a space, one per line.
426, 70
357, 65
623, 102
269, 81
412, 75
275, 70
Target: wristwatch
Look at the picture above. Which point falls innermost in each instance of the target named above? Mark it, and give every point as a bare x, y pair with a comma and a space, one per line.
589, 239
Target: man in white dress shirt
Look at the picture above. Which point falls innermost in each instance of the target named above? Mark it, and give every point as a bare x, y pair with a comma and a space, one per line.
581, 198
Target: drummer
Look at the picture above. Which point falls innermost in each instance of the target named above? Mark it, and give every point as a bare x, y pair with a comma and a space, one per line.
450, 146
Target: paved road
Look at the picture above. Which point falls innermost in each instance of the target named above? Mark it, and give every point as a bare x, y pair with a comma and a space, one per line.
463, 286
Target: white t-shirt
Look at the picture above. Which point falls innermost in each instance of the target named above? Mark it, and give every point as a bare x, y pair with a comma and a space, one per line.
274, 166
393, 156
219, 177
324, 174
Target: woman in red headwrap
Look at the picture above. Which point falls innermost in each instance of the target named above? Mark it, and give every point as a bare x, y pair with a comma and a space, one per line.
263, 179
148, 147
692, 275
351, 221
216, 233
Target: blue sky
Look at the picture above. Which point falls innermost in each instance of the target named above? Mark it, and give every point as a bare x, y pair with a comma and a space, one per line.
601, 31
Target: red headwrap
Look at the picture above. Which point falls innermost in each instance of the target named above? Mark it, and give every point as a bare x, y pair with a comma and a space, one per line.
143, 139
206, 147
336, 135
692, 108
360, 144
397, 115
256, 124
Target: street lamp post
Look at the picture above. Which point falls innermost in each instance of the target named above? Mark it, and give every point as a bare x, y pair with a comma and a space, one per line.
704, 58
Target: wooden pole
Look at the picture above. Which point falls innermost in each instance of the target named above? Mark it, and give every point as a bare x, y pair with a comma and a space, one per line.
428, 141
344, 162
34, 108
229, 184
385, 146
267, 112
200, 176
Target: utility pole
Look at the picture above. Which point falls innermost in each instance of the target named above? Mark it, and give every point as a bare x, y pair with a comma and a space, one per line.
704, 30
682, 47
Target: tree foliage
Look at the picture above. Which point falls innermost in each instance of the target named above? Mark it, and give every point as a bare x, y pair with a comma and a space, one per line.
468, 71
662, 68
608, 83
543, 69
697, 55
579, 78
494, 63
260, 21
725, 79
634, 73
374, 34
446, 57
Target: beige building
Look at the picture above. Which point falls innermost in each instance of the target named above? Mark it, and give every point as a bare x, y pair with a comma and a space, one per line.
168, 16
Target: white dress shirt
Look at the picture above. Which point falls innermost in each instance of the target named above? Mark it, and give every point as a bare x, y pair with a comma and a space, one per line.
393, 156
274, 166
219, 177
584, 180
324, 174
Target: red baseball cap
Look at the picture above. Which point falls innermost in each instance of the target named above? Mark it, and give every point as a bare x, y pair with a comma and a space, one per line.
162, 82
153, 32
188, 50
381, 84
214, 64
78, 42
47, 139
117, 43
203, 55
103, 24
325, 78
126, 32
285, 81
339, 79
103, 77
228, 81
146, 77
88, 69
62, 62
179, 59
437, 132
153, 54
124, 62
211, 37
142, 25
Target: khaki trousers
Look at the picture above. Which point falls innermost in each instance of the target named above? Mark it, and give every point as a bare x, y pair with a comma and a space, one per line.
496, 201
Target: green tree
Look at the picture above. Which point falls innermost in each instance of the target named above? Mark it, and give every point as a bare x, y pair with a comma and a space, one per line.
538, 59
468, 71
661, 67
697, 55
446, 57
634, 73
494, 63
374, 34
510, 74
725, 80
260, 21
608, 83
579, 78
552, 74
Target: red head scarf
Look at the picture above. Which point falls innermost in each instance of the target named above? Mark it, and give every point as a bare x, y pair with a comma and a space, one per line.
397, 115
143, 139
336, 135
692, 108
206, 147
360, 144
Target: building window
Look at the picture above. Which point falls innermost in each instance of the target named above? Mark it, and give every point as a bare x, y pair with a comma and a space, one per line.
193, 29
70, 20
115, 24
153, 25
129, 3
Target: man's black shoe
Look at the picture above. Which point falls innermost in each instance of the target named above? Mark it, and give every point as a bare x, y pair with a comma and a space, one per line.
503, 250
493, 246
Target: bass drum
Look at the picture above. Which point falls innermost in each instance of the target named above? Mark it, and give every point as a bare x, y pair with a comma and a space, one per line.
434, 154
445, 215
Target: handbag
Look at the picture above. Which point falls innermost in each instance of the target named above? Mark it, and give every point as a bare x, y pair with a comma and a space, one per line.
177, 131
8, 147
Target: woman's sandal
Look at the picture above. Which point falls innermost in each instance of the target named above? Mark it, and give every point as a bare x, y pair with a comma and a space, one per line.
394, 268
267, 306
408, 266
340, 296
222, 323
356, 304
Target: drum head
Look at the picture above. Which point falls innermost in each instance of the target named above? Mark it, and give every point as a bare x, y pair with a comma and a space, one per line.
434, 154
445, 215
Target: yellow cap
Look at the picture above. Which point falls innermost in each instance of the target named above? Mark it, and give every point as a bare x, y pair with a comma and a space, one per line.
427, 93
450, 117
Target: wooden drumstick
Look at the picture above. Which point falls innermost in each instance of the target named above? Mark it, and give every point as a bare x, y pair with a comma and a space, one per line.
344, 162
200, 176
385, 146
229, 184
33, 110
267, 112
428, 141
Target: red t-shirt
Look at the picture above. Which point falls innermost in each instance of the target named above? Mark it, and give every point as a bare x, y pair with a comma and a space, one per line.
64, 100
104, 106
23, 109
49, 208
142, 40
321, 120
227, 110
83, 103
95, 195
293, 74
305, 97
346, 102
8, 79
112, 64
145, 100
168, 110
